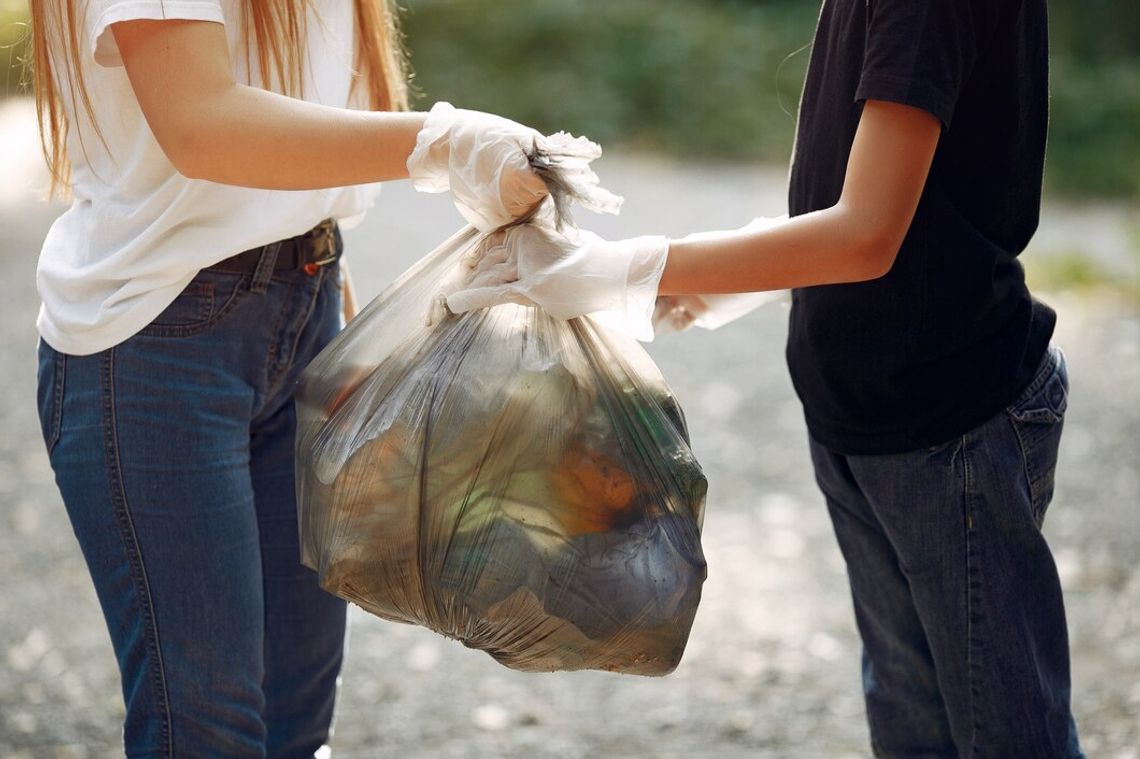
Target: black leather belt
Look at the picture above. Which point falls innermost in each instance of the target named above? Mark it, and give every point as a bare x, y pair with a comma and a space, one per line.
318, 247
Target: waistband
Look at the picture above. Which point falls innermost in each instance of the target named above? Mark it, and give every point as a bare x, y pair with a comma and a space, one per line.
309, 251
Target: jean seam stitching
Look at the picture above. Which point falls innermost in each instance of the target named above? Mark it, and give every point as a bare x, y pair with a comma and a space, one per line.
191, 330
58, 389
1027, 467
138, 569
304, 321
206, 301
972, 591
203, 294
269, 369
1049, 366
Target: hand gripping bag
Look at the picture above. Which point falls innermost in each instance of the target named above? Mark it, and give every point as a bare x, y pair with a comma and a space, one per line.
519, 483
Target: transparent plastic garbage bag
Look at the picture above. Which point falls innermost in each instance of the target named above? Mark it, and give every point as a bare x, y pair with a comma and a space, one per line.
518, 483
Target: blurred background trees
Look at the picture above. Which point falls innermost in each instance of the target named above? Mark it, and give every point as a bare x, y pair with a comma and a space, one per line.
720, 79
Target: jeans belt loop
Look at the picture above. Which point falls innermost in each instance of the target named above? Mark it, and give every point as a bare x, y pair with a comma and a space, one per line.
265, 265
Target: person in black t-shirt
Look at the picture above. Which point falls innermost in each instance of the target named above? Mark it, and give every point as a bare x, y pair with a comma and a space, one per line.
931, 392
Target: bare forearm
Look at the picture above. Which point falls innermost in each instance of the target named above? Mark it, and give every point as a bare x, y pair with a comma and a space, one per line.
211, 127
254, 138
855, 240
824, 247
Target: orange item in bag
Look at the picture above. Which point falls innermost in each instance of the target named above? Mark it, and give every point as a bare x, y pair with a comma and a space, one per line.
601, 491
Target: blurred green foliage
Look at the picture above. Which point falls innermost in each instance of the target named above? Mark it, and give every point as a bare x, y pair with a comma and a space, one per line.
720, 79
711, 79
1080, 270
1094, 137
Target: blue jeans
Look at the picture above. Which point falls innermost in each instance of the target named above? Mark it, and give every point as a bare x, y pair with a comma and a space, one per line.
173, 452
956, 595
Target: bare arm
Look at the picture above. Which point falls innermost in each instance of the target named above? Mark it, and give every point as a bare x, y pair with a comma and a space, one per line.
212, 128
350, 305
855, 240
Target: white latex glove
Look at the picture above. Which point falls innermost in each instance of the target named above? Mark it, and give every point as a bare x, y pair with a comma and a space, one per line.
568, 276
674, 313
482, 159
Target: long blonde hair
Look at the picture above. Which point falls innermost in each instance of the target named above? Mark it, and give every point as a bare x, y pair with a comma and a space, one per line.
275, 27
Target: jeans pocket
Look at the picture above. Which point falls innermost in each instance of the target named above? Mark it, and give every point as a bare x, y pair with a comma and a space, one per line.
199, 306
50, 376
1038, 417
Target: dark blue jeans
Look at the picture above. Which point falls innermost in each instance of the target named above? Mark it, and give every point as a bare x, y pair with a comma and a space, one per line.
956, 595
173, 452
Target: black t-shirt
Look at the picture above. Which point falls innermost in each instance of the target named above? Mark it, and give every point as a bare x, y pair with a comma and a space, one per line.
950, 335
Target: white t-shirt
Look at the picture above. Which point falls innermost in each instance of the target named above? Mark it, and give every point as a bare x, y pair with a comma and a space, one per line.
138, 231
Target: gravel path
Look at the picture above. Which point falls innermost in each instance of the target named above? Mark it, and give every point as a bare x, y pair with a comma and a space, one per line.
772, 664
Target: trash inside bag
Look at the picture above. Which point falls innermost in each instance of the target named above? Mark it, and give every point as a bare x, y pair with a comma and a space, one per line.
519, 483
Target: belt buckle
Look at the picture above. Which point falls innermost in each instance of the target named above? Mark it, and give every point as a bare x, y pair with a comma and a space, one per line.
324, 240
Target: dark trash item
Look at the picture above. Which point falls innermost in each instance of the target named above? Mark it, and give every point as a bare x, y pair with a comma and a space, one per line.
607, 582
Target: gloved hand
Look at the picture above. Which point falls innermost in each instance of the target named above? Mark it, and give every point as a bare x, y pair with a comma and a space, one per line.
482, 159
568, 276
675, 313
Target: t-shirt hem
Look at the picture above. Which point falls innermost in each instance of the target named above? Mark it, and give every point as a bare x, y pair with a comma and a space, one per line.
851, 443
107, 53
848, 443
109, 334
910, 92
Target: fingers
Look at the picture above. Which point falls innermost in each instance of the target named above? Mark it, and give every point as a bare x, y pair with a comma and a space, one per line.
522, 190
490, 273
462, 301
763, 222
491, 180
676, 313
494, 275
483, 277
437, 310
496, 257
489, 244
535, 248
495, 262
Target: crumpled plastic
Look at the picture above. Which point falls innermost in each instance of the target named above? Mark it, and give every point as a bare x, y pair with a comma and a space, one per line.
517, 482
483, 160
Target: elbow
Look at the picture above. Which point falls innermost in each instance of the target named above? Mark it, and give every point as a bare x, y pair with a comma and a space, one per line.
875, 255
873, 244
182, 146
187, 130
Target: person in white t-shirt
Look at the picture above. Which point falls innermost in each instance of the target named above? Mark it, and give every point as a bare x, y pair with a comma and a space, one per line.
209, 147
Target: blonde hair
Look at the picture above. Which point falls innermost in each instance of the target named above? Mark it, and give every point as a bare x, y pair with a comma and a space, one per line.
275, 27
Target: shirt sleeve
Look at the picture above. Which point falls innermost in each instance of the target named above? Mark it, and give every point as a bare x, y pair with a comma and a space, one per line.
921, 52
100, 14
